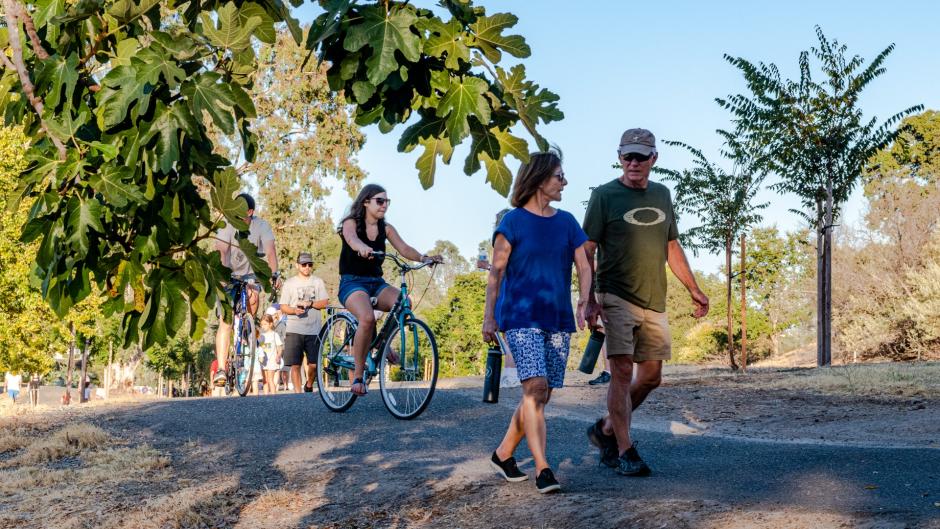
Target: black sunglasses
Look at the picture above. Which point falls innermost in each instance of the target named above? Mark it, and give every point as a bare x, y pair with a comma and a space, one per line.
381, 201
635, 157
306, 264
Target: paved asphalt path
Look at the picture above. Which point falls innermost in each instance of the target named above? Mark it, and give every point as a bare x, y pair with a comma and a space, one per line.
452, 440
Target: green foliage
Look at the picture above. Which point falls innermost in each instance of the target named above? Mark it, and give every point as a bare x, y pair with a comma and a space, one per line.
122, 99
915, 152
811, 131
303, 135
457, 323
394, 60
721, 200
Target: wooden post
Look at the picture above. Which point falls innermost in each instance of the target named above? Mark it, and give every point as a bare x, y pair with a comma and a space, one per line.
109, 374
728, 243
67, 397
743, 309
827, 278
81, 383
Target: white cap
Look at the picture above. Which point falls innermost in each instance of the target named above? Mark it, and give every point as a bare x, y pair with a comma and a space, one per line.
271, 310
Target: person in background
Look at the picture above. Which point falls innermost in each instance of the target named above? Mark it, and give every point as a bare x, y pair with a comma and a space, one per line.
302, 298
272, 347
12, 384
226, 242
509, 377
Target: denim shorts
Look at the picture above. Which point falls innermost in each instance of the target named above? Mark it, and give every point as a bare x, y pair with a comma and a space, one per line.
540, 353
349, 283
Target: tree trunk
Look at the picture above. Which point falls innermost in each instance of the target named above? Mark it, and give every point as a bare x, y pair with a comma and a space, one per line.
820, 297
67, 397
82, 384
733, 365
743, 309
827, 279
109, 374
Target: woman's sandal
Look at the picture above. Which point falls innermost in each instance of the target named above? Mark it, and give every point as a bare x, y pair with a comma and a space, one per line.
365, 389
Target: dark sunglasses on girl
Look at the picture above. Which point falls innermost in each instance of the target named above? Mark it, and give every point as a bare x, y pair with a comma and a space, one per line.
635, 157
381, 201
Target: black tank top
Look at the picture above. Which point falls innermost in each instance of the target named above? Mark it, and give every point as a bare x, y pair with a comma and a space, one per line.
351, 263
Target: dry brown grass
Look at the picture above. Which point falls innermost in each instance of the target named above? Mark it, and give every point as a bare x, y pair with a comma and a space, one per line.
922, 379
69, 441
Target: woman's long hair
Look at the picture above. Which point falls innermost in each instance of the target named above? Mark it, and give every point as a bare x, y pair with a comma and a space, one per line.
357, 211
540, 167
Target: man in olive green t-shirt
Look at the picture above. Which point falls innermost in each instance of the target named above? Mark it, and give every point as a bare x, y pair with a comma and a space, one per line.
631, 225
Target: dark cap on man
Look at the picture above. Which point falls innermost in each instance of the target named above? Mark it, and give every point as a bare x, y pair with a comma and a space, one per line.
640, 141
304, 258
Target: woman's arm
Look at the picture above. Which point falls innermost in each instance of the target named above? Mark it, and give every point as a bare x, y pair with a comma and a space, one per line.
501, 251
403, 248
349, 234
585, 276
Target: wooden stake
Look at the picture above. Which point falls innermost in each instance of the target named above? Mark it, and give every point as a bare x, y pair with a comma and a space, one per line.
743, 309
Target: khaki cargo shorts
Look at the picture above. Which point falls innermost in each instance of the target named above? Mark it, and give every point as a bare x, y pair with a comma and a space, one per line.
635, 331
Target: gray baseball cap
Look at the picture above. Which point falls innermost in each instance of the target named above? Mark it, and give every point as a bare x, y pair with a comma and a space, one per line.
304, 258
640, 141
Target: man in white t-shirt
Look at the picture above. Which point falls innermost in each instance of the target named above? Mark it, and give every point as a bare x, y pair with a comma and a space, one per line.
12, 384
261, 234
301, 300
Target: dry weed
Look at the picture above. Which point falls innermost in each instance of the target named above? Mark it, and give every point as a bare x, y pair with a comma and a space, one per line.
866, 379
70, 440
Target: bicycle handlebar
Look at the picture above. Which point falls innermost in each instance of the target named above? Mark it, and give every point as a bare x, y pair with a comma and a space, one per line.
402, 264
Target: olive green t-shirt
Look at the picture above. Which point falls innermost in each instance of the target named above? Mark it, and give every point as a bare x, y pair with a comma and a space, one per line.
632, 228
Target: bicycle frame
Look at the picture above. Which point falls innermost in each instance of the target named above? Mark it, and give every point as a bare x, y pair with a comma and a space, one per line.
399, 314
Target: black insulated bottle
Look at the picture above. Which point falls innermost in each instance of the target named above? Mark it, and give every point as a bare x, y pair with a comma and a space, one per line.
494, 368
591, 352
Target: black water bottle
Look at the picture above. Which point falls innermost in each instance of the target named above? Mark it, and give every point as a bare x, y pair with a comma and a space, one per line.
494, 368
593, 349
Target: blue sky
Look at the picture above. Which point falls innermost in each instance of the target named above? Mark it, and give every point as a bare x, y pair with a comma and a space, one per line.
618, 65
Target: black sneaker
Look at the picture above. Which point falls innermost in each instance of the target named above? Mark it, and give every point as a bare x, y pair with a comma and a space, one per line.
603, 378
546, 481
631, 464
507, 469
308, 389
610, 455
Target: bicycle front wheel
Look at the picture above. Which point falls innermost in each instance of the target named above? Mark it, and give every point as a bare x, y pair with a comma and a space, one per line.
335, 363
243, 353
407, 384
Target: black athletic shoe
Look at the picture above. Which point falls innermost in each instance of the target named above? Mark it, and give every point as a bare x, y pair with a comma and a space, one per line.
546, 481
610, 455
308, 389
631, 464
603, 378
507, 469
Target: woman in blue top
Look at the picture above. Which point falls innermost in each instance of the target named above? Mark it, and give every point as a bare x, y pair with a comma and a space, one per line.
528, 298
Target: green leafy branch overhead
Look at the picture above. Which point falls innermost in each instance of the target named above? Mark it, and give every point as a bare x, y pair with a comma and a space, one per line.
402, 64
116, 98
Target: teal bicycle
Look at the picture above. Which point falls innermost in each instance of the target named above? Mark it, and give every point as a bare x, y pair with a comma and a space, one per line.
406, 384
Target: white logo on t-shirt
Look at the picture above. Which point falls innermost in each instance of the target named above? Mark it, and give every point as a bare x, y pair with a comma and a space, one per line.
630, 216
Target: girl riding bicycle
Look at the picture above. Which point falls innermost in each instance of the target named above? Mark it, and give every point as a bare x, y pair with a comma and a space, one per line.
364, 231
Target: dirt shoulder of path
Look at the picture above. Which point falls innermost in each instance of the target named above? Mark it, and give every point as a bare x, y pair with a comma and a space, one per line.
866, 405
87, 467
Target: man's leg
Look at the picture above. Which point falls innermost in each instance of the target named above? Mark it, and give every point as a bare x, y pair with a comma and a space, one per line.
312, 350
295, 378
619, 404
223, 337
648, 377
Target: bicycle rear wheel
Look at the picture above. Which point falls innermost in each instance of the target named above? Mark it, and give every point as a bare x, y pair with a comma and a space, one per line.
243, 353
408, 384
334, 363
